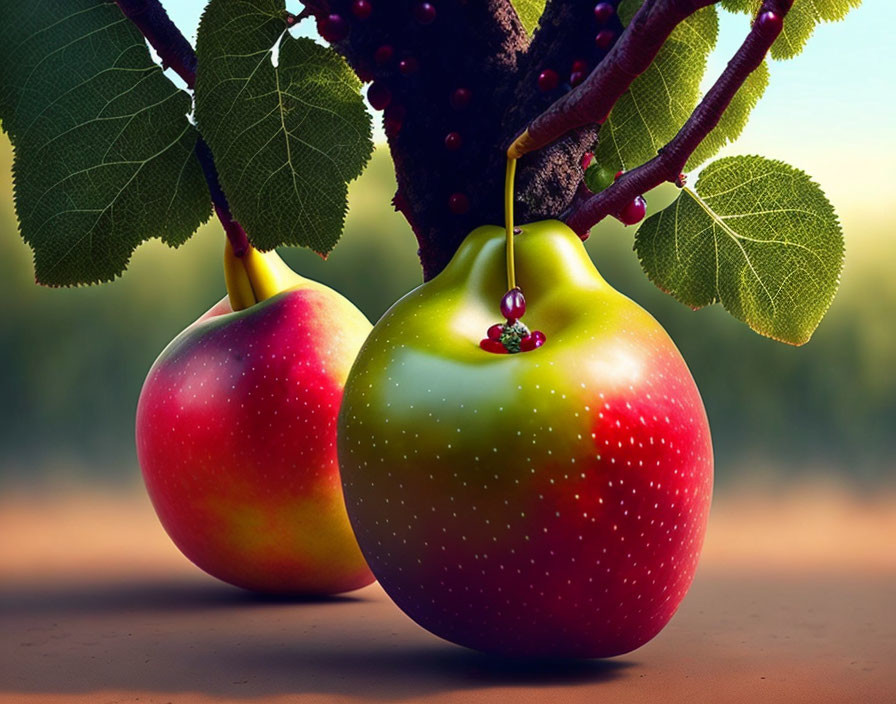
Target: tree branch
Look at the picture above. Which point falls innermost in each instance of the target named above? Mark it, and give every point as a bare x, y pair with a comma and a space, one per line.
591, 102
153, 22
671, 160
176, 52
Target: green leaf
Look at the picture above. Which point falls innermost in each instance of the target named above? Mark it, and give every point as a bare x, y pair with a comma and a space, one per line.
103, 149
800, 21
662, 98
734, 118
529, 12
758, 236
750, 7
287, 139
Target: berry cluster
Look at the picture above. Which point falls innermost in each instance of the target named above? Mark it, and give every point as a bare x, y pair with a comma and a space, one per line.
512, 336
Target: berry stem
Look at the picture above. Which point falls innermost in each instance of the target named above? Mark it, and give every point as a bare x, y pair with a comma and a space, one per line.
508, 222
671, 160
150, 17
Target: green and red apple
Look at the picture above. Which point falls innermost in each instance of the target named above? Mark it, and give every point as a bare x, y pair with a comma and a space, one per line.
551, 502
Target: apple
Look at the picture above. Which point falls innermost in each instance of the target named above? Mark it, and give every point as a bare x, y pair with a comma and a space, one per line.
236, 433
548, 503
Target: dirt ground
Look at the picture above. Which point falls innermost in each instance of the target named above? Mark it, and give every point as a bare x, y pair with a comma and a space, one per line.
795, 601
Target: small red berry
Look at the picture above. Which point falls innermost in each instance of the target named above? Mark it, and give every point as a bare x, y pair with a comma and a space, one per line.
362, 9
493, 346
603, 11
425, 13
364, 72
633, 212
769, 22
383, 54
618, 174
458, 203
579, 65
495, 331
453, 141
604, 39
379, 95
576, 77
394, 119
408, 66
548, 80
333, 28
532, 341
513, 304
460, 98
586, 160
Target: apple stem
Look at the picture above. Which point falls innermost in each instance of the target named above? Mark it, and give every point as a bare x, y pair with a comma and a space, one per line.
150, 17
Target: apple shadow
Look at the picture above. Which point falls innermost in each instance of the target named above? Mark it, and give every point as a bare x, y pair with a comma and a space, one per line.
408, 671
167, 595
193, 635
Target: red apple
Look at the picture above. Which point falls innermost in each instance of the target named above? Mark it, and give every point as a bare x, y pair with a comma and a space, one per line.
236, 434
549, 503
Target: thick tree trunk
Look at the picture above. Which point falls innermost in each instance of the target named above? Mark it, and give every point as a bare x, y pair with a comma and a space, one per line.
470, 73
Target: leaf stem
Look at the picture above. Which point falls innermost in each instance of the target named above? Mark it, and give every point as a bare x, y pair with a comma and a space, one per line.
671, 159
150, 17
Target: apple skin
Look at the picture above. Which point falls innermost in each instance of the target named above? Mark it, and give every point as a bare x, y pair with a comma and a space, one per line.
236, 437
550, 503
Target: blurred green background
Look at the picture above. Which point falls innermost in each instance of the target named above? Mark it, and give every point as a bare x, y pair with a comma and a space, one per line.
73, 360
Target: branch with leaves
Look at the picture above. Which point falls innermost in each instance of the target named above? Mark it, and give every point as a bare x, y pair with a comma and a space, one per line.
106, 157
669, 164
176, 53
756, 235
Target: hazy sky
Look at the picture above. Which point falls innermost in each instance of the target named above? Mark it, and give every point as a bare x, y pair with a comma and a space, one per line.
831, 111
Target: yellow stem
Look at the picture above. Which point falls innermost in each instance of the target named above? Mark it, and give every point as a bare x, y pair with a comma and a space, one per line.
508, 221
